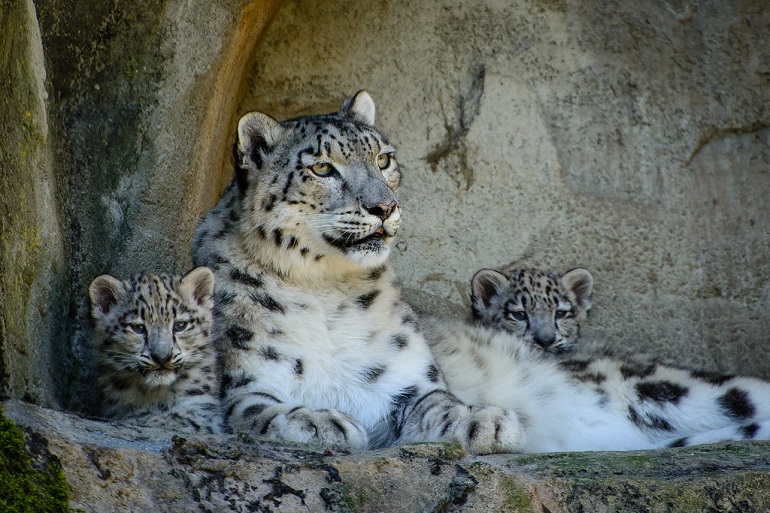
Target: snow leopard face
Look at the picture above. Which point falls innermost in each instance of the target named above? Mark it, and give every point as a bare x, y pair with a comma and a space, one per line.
538, 306
321, 186
151, 328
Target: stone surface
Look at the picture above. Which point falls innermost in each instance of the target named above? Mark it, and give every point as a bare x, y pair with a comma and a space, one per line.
112, 468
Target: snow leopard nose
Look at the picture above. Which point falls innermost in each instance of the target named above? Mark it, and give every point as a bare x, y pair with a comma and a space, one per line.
162, 358
544, 341
382, 210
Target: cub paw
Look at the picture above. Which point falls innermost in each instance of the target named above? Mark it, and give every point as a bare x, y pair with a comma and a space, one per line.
329, 428
489, 429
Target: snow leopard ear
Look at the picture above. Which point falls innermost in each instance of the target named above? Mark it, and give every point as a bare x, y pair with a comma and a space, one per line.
360, 107
581, 283
486, 284
199, 285
257, 133
104, 292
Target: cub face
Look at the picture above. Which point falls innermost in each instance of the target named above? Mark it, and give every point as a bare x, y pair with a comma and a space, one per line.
538, 306
325, 185
152, 326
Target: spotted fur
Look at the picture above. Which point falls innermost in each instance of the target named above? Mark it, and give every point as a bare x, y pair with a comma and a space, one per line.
157, 365
315, 341
582, 402
537, 306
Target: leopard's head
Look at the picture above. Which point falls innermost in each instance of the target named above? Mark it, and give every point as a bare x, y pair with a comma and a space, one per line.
150, 327
318, 188
539, 306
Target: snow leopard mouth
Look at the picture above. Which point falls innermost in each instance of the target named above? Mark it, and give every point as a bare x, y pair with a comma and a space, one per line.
346, 241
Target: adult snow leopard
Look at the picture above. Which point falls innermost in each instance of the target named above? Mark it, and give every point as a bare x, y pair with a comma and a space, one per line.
538, 306
157, 364
315, 341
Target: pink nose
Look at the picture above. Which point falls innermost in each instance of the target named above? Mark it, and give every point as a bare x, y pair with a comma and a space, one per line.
382, 211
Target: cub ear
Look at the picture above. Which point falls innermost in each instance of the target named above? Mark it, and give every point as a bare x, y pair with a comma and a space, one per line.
104, 292
486, 284
199, 285
257, 132
360, 107
581, 283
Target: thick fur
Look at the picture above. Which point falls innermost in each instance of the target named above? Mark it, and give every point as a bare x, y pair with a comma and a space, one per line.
315, 341
600, 403
537, 306
157, 365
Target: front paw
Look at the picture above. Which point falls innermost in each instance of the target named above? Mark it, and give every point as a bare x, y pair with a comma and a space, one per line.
489, 429
329, 428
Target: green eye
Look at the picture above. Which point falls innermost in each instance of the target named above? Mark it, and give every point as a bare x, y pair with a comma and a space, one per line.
138, 328
322, 169
383, 160
180, 326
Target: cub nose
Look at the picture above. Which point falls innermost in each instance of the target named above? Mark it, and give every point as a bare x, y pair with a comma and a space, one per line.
382, 211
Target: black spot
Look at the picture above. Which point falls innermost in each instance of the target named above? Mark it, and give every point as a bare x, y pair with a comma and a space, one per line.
637, 370
406, 396
229, 382
375, 273
366, 300
292, 242
245, 278
660, 391
254, 410
278, 236
223, 298
575, 365
712, 377
239, 335
268, 302
194, 391
271, 203
410, 320
682, 442
737, 404
373, 373
749, 431
299, 367
304, 251
269, 353
597, 378
399, 341
264, 429
650, 421
433, 373
472, 429
261, 231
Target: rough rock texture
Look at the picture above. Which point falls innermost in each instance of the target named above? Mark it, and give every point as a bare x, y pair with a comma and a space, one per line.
114, 468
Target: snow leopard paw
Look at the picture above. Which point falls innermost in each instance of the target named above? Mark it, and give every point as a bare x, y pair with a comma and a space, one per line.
329, 428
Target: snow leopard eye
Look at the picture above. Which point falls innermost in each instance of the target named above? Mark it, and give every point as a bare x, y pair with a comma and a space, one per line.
518, 316
562, 314
180, 326
383, 160
322, 169
138, 327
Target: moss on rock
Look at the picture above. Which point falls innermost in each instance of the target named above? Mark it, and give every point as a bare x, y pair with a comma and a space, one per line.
31, 478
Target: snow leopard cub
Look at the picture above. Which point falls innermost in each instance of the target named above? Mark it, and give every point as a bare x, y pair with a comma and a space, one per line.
157, 365
587, 402
315, 341
538, 306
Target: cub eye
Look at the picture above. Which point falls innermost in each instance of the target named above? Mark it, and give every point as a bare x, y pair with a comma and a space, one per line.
322, 169
562, 314
138, 327
180, 326
383, 160
518, 315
